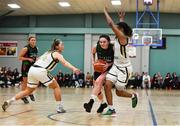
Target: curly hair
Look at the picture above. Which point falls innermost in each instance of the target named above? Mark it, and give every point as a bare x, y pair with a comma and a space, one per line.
126, 28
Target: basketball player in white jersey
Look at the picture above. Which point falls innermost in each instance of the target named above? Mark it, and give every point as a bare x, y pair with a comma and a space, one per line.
40, 72
120, 72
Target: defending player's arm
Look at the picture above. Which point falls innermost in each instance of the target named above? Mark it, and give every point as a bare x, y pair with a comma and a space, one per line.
118, 33
22, 54
65, 63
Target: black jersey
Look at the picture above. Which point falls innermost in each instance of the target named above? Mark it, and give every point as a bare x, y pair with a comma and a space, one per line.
105, 54
31, 53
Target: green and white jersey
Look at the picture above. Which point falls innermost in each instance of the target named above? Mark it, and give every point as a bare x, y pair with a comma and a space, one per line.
121, 57
47, 61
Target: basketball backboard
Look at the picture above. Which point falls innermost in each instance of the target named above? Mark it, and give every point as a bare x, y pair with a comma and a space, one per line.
147, 37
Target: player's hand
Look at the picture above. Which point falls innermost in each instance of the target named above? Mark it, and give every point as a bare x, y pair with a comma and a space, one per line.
121, 15
105, 67
77, 71
30, 60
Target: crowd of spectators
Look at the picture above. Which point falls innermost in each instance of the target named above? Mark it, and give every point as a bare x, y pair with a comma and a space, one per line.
9, 77
144, 81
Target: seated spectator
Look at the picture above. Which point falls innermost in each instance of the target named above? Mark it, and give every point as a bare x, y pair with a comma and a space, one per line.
60, 78
168, 82
81, 79
154, 83
175, 82
160, 80
138, 81
146, 81
67, 80
88, 80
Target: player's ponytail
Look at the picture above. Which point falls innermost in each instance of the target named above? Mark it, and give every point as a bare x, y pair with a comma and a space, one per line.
55, 43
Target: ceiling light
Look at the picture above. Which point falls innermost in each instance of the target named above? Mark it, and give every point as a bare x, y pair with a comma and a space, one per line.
115, 2
64, 4
14, 6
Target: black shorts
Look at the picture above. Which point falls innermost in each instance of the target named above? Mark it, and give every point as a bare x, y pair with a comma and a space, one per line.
24, 70
97, 74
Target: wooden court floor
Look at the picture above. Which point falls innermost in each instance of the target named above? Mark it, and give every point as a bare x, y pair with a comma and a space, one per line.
155, 107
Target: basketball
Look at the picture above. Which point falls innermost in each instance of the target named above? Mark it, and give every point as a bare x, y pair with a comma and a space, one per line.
99, 66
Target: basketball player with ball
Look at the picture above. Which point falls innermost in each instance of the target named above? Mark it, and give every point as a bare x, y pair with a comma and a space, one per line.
105, 56
121, 70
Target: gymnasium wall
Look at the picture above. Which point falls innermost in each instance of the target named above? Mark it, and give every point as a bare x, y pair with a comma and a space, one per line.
73, 49
78, 25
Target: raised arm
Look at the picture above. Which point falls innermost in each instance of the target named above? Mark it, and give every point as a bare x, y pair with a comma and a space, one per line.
118, 33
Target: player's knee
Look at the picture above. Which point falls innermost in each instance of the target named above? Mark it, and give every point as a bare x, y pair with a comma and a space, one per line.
120, 91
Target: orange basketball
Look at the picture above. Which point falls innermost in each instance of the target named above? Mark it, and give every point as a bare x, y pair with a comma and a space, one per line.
99, 66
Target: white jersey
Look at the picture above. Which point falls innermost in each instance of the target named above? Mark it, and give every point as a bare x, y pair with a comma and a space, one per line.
46, 61
121, 57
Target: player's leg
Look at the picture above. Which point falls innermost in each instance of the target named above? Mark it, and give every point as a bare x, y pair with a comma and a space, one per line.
57, 94
123, 76
18, 96
111, 78
96, 92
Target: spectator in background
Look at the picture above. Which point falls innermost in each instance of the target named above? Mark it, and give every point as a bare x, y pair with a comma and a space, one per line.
67, 79
168, 82
81, 79
154, 83
146, 81
60, 77
160, 80
88, 80
138, 80
175, 82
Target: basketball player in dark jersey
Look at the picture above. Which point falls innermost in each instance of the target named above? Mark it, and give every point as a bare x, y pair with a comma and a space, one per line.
105, 52
28, 56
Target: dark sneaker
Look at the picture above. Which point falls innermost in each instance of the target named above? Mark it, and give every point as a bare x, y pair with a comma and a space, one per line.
110, 112
101, 108
32, 97
88, 106
25, 100
5, 105
134, 100
60, 110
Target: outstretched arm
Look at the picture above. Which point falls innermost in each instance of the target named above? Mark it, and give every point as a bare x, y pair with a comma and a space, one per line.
65, 63
118, 33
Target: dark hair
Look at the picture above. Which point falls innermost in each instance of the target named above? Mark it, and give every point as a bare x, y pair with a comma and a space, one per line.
105, 36
55, 43
127, 29
30, 37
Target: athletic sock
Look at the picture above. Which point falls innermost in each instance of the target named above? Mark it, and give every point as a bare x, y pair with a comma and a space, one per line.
93, 97
11, 100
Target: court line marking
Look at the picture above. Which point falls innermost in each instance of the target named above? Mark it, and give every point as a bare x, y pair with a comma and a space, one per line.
51, 117
15, 114
151, 110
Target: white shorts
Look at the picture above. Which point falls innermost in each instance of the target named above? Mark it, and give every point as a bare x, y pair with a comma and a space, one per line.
38, 74
119, 76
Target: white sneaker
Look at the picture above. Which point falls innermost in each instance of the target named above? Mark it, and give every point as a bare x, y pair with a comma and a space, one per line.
60, 110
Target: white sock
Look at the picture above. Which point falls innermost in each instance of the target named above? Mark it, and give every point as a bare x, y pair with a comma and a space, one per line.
133, 95
11, 100
110, 107
59, 103
102, 101
93, 97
